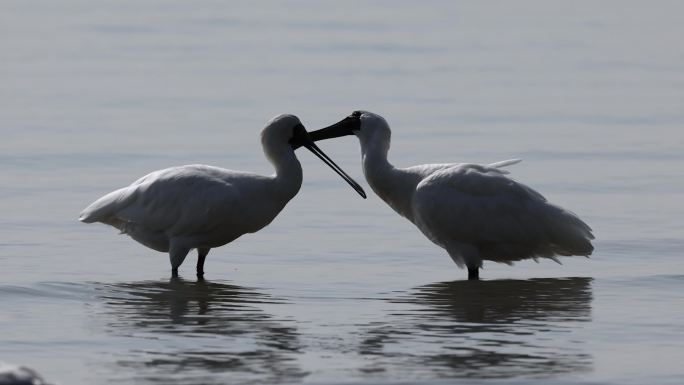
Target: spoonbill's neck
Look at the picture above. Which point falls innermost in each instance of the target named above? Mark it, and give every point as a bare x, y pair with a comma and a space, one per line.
288, 171
374, 157
393, 185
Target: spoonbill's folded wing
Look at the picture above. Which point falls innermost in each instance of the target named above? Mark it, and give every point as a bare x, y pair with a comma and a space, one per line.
175, 200
478, 205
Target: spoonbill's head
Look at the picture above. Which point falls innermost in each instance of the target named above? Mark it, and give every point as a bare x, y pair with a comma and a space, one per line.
371, 129
280, 130
286, 132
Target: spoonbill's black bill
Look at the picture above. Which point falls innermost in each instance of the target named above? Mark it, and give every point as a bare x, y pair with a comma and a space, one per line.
201, 207
473, 211
302, 139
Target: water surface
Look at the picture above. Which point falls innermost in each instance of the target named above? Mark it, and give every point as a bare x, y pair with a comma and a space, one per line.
338, 289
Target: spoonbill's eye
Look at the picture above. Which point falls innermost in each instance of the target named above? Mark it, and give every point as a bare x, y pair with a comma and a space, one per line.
298, 130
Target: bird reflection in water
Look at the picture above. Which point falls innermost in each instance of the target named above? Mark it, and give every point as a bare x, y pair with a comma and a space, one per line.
489, 329
163, 321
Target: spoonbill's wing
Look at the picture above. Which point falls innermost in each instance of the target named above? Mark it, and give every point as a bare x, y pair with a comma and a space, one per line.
478, 205
428, 169
177, 200
505, 163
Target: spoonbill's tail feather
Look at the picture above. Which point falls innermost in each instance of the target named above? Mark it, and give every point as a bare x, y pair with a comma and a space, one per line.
105, 207
505, 163
570, 234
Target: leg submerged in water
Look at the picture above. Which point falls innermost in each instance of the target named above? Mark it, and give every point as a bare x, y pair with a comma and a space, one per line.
177, 255
466, 254
201, 256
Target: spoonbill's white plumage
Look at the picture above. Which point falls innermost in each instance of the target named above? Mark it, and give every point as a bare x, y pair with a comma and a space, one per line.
201, 207
473, 211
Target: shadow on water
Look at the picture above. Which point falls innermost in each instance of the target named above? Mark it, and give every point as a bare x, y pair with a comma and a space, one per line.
161, 322
486, 329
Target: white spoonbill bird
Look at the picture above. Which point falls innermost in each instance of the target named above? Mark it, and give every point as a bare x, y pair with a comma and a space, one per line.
473, 211
201, 207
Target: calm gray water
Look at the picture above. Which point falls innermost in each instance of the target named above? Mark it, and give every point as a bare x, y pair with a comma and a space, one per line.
94, 95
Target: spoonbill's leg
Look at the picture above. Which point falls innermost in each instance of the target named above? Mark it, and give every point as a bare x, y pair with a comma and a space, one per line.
177, 255
473, 273
464, 253
201, 256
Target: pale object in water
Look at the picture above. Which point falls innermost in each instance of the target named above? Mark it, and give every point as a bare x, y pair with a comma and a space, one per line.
473, 211
201, 207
